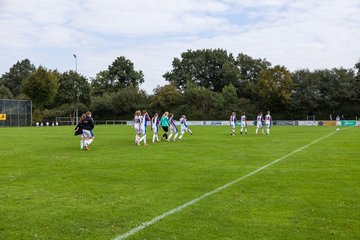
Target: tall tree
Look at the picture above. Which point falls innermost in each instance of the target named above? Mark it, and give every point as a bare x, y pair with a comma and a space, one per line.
126, 101
209, 68
41, 86
250, 70
5, 93
120, 74
231, 100
202, 103
16, 75
275, 87
306, 93
73, 88
165, 98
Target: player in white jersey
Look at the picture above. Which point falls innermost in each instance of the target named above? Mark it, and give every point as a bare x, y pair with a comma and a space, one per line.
144, 119
155, 127
268, 120
243, 124
173, 128
184, 127
259, 123
137, 127
233, 123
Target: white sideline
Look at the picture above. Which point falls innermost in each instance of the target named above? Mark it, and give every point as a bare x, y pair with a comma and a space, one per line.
195, 200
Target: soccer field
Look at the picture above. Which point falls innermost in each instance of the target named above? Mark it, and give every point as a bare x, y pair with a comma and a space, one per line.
297, 183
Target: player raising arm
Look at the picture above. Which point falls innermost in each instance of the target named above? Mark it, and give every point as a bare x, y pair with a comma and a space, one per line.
144, 119
184, 127
173, 128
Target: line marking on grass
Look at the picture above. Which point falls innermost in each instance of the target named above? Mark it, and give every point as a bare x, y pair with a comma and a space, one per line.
195, 200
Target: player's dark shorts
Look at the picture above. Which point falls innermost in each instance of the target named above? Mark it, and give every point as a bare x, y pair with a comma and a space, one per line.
166, 129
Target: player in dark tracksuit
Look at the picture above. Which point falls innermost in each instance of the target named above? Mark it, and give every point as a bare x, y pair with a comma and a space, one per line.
88, 134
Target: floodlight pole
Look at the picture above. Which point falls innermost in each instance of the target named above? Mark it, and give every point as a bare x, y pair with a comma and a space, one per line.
77, 93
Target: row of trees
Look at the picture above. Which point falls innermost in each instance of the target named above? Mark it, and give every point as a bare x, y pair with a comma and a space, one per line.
204, 84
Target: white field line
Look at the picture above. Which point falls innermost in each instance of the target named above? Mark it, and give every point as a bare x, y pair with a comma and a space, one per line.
195, 200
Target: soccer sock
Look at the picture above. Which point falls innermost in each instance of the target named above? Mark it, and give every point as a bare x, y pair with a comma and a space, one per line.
181, 136
176, 134
241, 130
268, 131
262, 131
90, 141
81, 144
257, 130
154, 136
169, 138
190, 131
246, 130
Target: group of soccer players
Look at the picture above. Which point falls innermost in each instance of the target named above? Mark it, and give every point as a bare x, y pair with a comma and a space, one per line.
259, 123
167, 121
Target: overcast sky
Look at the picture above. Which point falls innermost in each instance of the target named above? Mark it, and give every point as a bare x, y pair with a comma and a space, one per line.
296, 34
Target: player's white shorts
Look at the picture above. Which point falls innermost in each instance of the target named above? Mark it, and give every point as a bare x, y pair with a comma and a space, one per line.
259, 124
137, 128
243, 124
232, 124
155, 128
87, 134
184, 130
143, 130
173, 129
267, 124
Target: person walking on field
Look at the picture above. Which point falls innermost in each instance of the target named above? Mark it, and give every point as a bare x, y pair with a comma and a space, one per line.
88, 134
155, 127
164, 122
137, 126
79, 131
144, 120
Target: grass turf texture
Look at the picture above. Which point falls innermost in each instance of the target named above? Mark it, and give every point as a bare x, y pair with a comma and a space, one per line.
50, 189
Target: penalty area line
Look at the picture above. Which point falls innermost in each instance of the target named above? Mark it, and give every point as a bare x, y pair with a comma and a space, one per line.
205, 195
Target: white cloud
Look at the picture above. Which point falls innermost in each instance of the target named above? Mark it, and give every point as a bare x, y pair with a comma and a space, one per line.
297, 34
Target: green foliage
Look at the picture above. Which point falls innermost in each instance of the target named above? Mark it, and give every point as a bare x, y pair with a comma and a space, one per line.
231, 100
100, 84
73, 88
275, 87
41, 87
165, 98
16, 75
202, 103
250, 70
125, 102
119, 75
102, 106
203, 84
5, 93
209, 68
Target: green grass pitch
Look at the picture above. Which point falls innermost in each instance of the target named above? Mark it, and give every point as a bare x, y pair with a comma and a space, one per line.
50, 189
